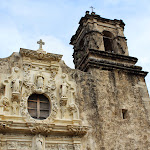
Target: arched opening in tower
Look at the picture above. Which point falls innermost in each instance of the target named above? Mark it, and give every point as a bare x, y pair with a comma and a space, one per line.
108, 41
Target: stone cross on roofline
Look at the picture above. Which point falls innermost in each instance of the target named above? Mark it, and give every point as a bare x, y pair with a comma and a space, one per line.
92, 8
40, 50
40, 42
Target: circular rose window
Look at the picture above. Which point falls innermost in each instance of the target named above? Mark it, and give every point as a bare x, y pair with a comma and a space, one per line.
38, 106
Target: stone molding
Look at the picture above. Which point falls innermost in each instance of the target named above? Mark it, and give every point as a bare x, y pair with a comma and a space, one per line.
44, 129
37, 55
97, 59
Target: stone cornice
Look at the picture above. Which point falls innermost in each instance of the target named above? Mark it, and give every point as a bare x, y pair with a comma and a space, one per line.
99, 19
41, 56
113, 56
97, 59
43, 129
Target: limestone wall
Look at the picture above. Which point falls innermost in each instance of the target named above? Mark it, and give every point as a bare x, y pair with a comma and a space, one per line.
103, 97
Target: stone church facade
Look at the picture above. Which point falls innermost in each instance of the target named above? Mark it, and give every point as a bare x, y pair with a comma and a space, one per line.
102, 104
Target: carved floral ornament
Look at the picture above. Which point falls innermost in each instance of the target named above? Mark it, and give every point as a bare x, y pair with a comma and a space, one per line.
5, 103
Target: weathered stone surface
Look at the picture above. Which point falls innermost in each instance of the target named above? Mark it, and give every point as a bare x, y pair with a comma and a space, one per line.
32, 74
102, 105
101, 97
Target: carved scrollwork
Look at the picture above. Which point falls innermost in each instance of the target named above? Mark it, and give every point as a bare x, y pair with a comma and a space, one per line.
50, 87
78, 130
5, 103
41, 130
63, 101
54, 70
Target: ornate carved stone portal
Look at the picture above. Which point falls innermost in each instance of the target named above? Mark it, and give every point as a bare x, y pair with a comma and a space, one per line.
39, 105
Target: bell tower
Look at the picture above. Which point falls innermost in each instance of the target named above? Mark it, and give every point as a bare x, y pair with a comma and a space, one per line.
98, 39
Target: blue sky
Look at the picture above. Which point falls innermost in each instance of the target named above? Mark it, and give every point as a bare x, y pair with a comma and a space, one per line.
23, 22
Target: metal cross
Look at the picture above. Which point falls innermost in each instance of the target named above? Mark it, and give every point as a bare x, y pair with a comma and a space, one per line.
92, 8
41, 43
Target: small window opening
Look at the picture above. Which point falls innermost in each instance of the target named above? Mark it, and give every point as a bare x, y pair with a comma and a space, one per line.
124, 113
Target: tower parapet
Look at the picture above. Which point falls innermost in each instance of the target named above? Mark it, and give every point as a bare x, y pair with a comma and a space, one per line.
100, 42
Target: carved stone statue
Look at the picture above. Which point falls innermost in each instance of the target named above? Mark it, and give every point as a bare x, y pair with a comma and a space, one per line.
14, 107
64, 89
40, 82
16, 82
64, 86
39, 143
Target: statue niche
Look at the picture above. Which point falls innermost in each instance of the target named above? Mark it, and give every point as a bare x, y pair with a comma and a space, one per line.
64, 86
39, 143
39, 83
14, 108
16, 82
16, 86
64, 94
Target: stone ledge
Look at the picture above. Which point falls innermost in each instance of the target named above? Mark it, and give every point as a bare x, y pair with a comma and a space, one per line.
95, 58
43, 129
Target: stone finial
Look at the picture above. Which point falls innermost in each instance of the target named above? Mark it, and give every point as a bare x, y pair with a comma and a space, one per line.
87, 12
93, 13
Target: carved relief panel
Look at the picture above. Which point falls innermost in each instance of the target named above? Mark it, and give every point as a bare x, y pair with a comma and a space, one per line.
37, 81
9, 103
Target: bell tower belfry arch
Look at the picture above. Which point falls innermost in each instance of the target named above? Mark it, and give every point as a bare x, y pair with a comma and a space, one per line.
100, 34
